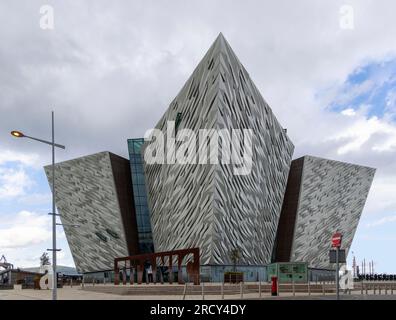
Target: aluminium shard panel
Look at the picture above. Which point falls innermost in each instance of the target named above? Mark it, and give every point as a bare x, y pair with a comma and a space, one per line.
207, 205
322, 197
94, 199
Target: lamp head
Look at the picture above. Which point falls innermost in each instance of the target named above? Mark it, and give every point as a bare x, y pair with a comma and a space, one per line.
17, 134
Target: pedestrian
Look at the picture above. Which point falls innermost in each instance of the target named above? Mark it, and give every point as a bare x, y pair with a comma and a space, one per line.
150, 273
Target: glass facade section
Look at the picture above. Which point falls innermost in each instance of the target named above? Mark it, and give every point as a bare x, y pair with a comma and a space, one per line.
140, 196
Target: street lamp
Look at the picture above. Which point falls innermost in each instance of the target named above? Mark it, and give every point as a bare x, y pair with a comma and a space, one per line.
19, 134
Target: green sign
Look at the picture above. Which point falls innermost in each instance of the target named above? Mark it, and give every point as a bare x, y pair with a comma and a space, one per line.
287, 272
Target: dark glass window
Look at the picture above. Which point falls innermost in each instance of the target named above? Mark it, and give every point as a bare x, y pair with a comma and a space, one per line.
140, 196
178, 120
101, 236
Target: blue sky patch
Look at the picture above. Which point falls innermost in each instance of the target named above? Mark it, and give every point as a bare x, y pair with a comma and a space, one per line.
372, 86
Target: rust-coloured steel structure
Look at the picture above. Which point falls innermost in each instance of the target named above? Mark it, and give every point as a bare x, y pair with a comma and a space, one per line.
137, 262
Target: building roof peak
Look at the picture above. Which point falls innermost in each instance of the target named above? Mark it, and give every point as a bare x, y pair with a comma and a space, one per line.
221, 41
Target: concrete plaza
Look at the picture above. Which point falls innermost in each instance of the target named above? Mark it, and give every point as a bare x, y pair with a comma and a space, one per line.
111, 292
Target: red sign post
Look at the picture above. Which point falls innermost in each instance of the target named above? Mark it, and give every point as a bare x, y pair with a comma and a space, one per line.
336, 240
336, 243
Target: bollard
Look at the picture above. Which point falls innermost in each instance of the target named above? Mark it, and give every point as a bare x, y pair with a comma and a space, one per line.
386, 289
277, 286
379, 289
203, 295
309, 288
241, 289
361, 288
260, 288
293, 288
392, 289
71, 283
222, 290
161, 277
323, 288
375, 289
184, 291
366, 289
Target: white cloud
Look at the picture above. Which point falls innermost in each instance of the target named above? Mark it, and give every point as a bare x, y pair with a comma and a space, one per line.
357, 133
14, 177
381, 199
14, 182
65, 258
24, 158
348, 112
382, 221
24, 230
22, 258
26, 235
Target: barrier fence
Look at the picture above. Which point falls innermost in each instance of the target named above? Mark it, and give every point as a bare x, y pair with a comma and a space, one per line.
287, 289
247, 290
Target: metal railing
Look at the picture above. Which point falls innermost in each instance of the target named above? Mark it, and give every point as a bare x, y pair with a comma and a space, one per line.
263, 290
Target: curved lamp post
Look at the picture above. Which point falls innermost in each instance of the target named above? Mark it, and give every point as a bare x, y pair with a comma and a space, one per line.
19, 134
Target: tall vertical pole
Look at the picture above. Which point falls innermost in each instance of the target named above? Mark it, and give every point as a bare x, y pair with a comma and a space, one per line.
354, 266
369, 268
55, 278
337, 274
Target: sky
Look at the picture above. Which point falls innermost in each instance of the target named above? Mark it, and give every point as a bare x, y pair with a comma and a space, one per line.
109, 70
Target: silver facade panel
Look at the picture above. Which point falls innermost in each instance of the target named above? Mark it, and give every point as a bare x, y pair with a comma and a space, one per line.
207, 206
86, 196
332, 198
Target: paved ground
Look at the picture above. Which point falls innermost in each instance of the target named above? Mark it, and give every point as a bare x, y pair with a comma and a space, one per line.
76, 293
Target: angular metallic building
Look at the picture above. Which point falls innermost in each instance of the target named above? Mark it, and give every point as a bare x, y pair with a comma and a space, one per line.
322, 197
207, 205
95, 194
279, 210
